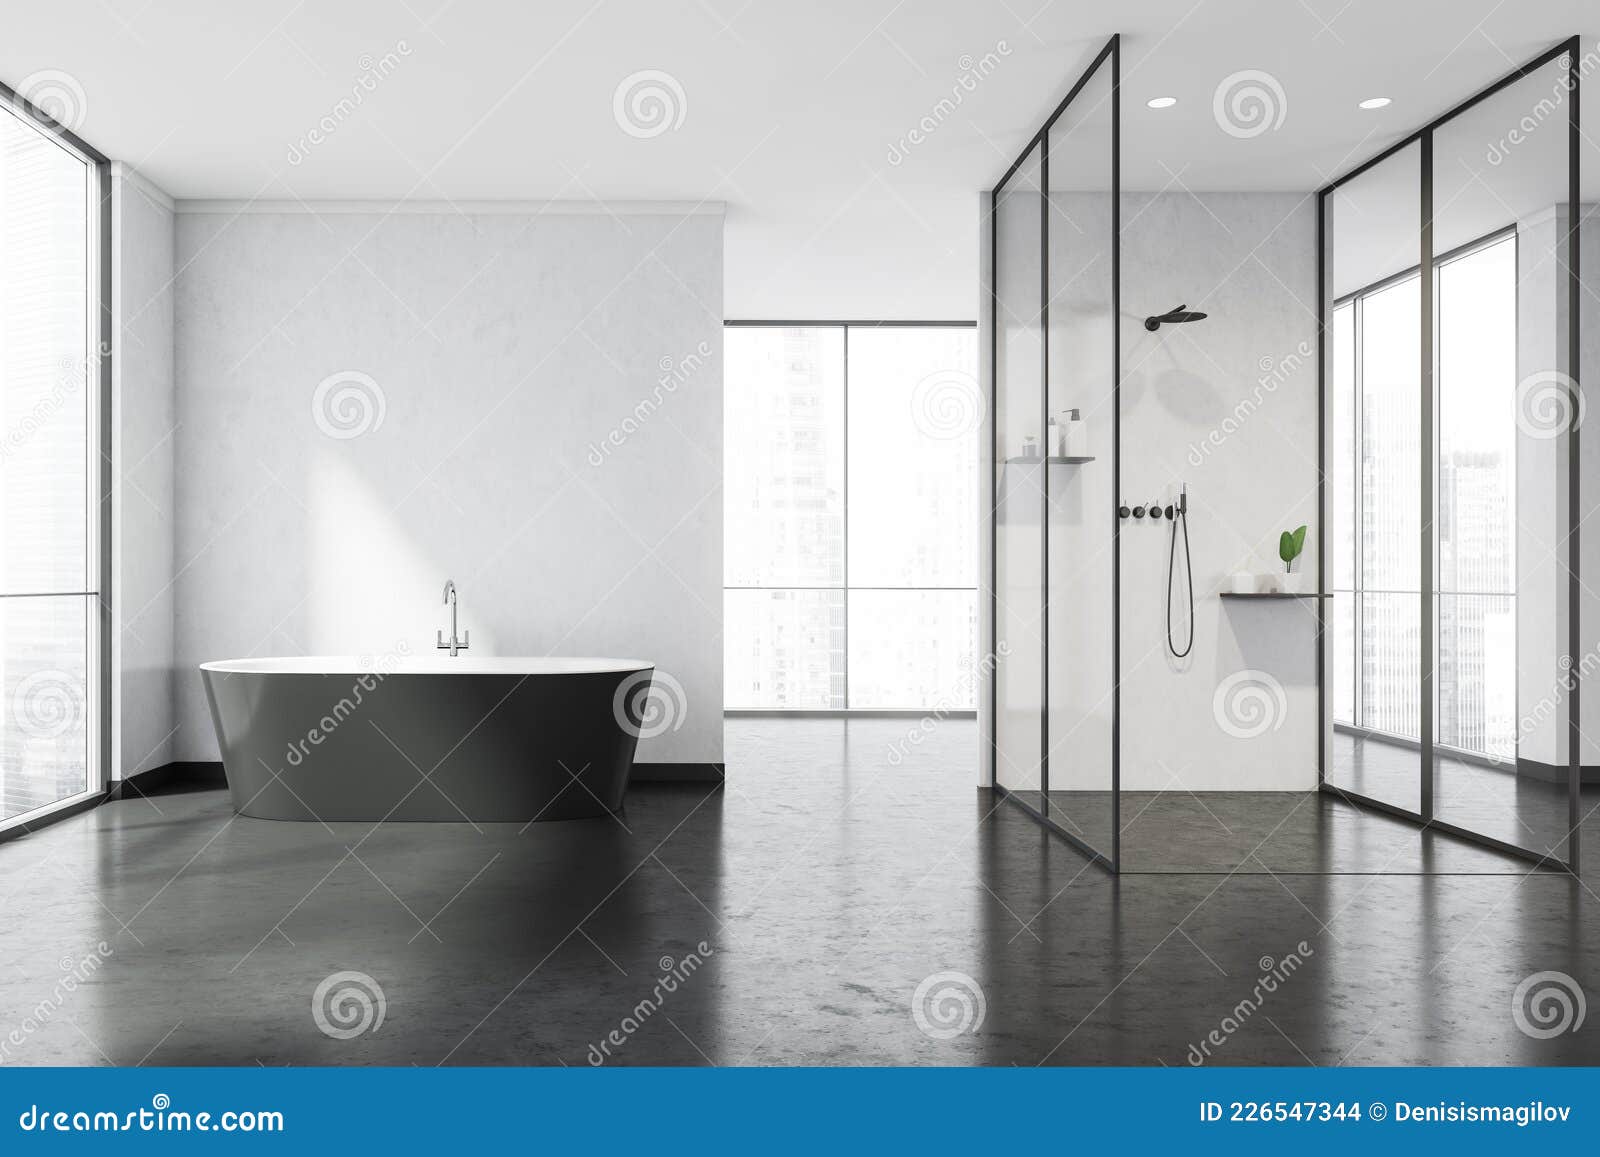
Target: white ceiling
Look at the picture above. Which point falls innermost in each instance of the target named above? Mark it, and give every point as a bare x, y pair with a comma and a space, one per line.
789, 110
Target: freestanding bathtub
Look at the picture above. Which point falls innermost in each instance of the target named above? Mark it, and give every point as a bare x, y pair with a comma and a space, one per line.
450, 739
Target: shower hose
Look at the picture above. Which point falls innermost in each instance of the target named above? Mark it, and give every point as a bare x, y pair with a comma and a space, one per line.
1180, 513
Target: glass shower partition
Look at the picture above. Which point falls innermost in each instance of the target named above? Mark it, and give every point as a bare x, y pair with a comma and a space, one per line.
1054, 327
1018, 590
1452, 409
1373, 357
1506, 591
1082, 331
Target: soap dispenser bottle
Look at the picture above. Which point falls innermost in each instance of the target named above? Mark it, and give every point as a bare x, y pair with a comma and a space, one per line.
1074, 436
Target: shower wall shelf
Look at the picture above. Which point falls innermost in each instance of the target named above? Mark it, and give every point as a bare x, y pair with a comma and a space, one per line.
1271, 595
1054, 460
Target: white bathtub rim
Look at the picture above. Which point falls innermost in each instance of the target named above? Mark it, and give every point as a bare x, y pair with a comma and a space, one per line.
388, 665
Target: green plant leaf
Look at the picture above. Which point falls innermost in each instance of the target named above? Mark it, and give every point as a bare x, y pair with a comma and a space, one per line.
1290, 544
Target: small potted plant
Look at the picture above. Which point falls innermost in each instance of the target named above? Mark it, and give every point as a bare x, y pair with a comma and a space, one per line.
1290, 545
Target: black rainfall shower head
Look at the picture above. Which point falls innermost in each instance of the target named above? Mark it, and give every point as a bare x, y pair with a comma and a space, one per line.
1172, 317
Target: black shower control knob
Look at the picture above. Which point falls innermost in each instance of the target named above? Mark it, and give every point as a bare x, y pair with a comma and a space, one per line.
1171, 513
1155, 510
1123, 512
1138, 512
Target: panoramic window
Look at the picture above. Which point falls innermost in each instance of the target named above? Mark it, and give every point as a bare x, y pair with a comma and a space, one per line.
1376, 579
49, 489
851, 503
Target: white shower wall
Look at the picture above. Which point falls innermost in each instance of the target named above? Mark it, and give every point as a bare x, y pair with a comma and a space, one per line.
1229, 406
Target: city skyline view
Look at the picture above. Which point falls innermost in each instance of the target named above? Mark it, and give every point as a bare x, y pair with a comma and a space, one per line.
1377, 601
850, 565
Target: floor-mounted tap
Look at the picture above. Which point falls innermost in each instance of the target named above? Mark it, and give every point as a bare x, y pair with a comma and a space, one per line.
455, 644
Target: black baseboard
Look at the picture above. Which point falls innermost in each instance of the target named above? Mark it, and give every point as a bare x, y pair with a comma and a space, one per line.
1588, 774
188, 773
678, 773
202, 773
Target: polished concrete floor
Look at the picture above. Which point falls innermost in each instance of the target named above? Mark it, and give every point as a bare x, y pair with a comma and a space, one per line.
797, 914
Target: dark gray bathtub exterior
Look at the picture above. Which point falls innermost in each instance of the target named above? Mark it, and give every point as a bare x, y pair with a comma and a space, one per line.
428, 745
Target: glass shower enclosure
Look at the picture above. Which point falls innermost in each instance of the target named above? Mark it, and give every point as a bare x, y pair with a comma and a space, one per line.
1054, 328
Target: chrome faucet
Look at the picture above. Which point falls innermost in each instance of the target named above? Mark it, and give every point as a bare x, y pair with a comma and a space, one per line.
455, 644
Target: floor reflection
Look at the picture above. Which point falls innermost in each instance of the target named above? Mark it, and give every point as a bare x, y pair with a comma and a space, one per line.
1523, 809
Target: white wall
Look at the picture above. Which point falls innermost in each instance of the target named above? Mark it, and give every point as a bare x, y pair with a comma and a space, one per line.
1589, 479
1543, 516
143, 501
986, 488
480, 362
1542, 508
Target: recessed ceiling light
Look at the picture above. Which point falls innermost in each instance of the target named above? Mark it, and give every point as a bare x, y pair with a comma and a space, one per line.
1375, 102
1161, 101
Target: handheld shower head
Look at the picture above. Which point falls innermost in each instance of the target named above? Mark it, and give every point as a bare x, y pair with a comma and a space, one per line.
1172, 317
1178, 513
